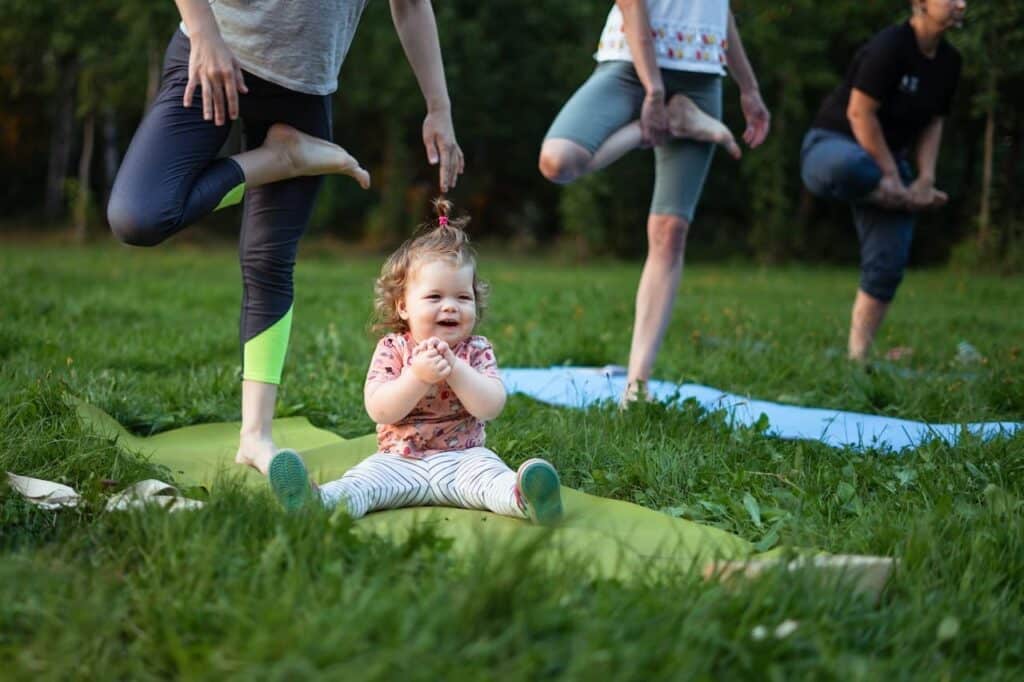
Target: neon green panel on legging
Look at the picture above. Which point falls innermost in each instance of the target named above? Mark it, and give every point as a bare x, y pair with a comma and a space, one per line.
233, 197
263, 354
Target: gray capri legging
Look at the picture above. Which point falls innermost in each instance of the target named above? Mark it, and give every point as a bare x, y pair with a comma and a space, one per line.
612, 97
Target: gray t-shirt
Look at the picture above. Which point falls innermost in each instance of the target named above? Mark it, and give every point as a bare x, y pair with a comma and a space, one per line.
298, 44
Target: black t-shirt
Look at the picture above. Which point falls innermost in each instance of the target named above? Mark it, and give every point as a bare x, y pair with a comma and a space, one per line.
911, 88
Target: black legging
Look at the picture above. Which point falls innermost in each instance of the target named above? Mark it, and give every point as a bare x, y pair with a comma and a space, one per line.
171, 177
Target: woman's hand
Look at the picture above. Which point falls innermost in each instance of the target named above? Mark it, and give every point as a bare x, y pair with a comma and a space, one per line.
654, 119
757, 116
439, 140
891, 194
213, 67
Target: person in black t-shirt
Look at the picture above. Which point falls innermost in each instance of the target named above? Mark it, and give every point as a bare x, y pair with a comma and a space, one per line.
890, 108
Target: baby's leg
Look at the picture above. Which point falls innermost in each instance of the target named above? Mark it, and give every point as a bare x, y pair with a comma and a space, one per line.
381, 481
476, 479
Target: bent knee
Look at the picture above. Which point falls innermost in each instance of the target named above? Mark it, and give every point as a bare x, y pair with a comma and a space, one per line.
557, 169
132, 224
846, 179
561, 163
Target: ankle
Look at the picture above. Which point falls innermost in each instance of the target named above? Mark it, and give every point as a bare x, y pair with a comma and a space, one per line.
858, 352
282, 141
636, 391
254, 435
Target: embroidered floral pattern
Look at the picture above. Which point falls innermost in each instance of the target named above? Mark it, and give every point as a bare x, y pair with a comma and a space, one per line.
674, 46
687, 36
439, 422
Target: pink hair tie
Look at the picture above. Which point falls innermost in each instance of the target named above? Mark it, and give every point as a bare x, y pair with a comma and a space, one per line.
442, 221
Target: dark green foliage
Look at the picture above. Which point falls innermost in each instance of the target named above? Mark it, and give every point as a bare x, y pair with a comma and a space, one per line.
509, 68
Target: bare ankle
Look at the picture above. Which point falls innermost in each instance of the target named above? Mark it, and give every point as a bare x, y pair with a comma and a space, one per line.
636, 391
255, 452
254, 434
283, 141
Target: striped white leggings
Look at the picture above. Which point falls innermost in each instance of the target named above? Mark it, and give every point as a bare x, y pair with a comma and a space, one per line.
472, 479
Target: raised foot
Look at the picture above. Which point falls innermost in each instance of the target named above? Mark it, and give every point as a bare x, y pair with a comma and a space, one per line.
908, 201
685, 119
540, 489
308, 155
934, 198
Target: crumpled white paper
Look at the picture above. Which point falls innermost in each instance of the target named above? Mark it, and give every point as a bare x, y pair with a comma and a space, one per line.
52, 495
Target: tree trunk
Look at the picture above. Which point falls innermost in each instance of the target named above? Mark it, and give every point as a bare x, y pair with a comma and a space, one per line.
968, 133
111, 153
387, 222
1012, 200
985, 210
80, 227
805, 209
61, 136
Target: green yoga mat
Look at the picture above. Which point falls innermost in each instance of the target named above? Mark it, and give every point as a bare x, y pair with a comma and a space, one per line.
614, 539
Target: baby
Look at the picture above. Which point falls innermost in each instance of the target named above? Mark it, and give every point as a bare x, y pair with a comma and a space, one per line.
431, 386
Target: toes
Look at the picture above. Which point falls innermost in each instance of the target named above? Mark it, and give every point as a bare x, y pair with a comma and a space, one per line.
361, 176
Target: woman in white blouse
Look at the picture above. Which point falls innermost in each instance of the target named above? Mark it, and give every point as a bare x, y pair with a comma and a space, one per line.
657, 84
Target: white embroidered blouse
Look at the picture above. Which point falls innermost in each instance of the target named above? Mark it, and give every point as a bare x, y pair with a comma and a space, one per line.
689, 35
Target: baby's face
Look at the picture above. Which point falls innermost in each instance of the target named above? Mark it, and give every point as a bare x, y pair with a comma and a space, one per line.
439, 301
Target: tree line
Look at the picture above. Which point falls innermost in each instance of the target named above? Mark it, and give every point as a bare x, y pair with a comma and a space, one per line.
76, 78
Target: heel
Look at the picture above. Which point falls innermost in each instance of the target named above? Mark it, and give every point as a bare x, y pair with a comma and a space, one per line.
539, 485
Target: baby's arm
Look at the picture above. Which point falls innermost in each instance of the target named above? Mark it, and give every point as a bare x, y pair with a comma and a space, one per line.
392, 401
483, 396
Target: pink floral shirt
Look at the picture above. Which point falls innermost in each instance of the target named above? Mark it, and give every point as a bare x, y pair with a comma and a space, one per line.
439, 422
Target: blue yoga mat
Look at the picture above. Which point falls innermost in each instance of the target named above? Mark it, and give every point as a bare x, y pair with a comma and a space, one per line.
584, 386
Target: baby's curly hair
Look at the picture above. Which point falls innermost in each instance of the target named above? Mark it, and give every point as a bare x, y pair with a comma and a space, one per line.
441, 239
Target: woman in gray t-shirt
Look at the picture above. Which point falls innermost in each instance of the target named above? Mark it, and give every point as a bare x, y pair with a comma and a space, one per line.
274, 64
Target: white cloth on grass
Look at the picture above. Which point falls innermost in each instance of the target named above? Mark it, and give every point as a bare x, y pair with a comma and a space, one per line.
52, 495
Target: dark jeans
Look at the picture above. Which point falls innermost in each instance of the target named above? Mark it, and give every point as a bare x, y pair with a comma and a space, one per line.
834, 166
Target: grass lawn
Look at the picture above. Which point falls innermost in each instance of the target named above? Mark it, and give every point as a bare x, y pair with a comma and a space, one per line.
241, 589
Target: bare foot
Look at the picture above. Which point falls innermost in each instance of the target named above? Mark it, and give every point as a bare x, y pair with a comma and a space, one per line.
685, 119
904, 200
898, 353
308, 155
255, 452
636, 391
935, 198
890, 194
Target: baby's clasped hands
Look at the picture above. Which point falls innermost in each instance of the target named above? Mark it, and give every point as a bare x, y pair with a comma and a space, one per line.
432, 360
